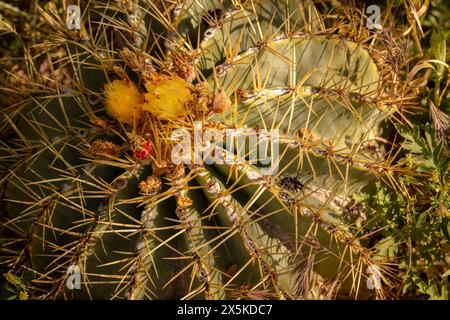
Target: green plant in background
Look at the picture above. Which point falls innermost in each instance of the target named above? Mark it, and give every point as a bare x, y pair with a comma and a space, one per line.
90, 179
416, 224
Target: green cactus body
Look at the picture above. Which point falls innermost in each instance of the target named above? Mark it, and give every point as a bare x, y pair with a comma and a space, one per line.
209, 231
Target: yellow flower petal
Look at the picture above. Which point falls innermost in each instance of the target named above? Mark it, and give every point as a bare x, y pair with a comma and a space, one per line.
166, 97
123, 100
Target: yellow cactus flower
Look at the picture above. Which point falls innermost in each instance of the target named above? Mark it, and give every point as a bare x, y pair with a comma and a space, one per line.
166, 97
123, 100
23, 295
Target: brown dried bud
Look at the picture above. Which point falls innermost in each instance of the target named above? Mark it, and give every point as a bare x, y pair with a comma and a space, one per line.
103, 147
184, 201
181, 63
221, 102
186, 72
138, 62
151, 185
176, 173
203, 103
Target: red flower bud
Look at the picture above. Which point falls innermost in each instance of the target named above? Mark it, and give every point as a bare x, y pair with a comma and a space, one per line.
144, 151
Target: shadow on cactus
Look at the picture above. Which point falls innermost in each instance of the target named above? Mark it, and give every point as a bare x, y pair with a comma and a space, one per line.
105, 203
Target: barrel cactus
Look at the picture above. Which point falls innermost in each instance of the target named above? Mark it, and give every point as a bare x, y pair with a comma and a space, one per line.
130, 180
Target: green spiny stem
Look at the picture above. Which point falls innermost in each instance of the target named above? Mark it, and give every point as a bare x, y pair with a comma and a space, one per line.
89, 251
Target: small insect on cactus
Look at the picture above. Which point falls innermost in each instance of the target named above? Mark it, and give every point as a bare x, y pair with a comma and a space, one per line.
107, 176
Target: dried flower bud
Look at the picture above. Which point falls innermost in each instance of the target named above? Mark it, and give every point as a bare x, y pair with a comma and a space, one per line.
151, 185
184, 201
176, 173
103, 147
221, 102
